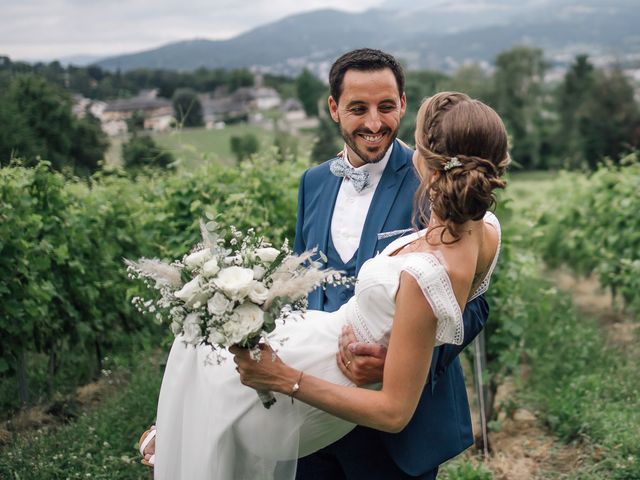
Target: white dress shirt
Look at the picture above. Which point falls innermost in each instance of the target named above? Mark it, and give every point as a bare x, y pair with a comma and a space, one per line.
351, 208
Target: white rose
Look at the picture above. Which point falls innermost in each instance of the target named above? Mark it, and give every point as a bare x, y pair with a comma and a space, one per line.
192, 292
196, 259
258, 272
218, 304
246, 321
267, 254
232, 331
192, 333
210, 267
216, 338
235, 282
258, 293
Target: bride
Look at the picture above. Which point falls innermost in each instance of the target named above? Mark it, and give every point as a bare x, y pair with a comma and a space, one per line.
409, 298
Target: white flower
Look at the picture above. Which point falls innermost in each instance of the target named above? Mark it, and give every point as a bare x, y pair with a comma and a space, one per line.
192, 332
176, 328
244, 322
216, 338
234, 260
218, 304
210, 267
234, 281
258, 293
196, 259
192, 292
258, 272
267, 254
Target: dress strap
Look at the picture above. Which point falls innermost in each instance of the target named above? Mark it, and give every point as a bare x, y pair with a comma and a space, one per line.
492, 220
434, 281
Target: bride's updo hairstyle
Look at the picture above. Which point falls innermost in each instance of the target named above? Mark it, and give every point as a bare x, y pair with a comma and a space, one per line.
465, 141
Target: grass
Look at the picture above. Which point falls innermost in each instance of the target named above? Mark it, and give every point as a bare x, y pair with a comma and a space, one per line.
529, 189
585, 389
191, 146
99, 444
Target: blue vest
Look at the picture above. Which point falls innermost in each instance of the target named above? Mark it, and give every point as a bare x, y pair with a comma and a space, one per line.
336, 296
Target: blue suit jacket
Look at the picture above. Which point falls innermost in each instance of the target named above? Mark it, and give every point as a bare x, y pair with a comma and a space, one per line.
441, 426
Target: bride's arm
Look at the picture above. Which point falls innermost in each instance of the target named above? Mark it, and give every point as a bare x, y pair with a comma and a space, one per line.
405, 373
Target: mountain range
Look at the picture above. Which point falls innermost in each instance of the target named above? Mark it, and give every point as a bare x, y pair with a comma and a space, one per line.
424, 34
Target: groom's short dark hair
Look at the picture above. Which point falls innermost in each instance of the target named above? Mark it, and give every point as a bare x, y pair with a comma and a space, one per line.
366, 60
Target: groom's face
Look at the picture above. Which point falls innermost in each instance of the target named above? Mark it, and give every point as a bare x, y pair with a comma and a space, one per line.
369, 111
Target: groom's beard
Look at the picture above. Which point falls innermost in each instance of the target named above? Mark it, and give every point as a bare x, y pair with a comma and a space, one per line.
369, 155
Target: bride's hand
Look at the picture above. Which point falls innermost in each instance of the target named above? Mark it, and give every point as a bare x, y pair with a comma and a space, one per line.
268, 373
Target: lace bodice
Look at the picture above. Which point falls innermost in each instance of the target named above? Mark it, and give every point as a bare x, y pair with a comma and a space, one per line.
370, 311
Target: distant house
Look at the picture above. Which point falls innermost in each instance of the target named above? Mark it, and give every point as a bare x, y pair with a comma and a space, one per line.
156, 112
242, 104
293, 110
266, 98
222, 109
82, 105
295, 117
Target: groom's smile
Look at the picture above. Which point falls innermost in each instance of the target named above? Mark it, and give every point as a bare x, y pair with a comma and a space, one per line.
368, 110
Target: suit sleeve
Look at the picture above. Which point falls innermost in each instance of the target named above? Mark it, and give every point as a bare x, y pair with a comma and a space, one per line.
474, 318
299, 245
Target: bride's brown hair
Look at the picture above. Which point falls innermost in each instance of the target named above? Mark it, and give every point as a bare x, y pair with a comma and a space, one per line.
452, 129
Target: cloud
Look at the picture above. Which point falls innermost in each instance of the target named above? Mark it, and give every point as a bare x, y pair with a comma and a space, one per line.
46, 29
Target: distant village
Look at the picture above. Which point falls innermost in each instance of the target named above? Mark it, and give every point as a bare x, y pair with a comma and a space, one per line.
258, 105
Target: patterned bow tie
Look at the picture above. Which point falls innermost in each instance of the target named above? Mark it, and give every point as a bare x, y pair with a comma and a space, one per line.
359, 178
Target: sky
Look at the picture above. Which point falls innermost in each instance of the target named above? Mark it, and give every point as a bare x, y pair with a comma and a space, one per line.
52, 29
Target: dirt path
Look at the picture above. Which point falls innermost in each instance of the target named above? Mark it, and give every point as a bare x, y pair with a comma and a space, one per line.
522, 449
64, 409
621, 329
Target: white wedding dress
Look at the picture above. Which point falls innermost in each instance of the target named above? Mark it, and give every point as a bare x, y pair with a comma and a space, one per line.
211, 427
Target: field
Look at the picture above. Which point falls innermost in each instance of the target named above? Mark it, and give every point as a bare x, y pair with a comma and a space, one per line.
192, 146
562, 351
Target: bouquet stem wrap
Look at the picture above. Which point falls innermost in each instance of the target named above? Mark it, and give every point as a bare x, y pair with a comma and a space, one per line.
267, 398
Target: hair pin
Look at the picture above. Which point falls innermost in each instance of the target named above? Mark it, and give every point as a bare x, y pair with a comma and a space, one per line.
453, 163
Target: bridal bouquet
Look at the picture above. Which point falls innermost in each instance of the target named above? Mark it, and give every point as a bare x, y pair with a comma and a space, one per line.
226, 293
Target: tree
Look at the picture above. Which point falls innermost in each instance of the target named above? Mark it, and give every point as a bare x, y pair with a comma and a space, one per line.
610, 124
418, 85
239, 78
327, 142
243, 146
142, 152
88, 146
286, 145
309, 90
135, 123
37, 121
573, 96
472, 80
599, 115
187, 108
518, 98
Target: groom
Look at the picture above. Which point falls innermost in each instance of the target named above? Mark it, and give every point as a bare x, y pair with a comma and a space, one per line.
343, 204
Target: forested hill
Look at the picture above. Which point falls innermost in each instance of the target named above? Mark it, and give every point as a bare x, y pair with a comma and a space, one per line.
434, 35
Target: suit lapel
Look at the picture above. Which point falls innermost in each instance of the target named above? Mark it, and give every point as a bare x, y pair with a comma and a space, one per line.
327, 204
381, 204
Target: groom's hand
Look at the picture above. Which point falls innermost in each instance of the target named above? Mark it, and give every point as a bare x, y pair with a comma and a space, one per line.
362, 363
